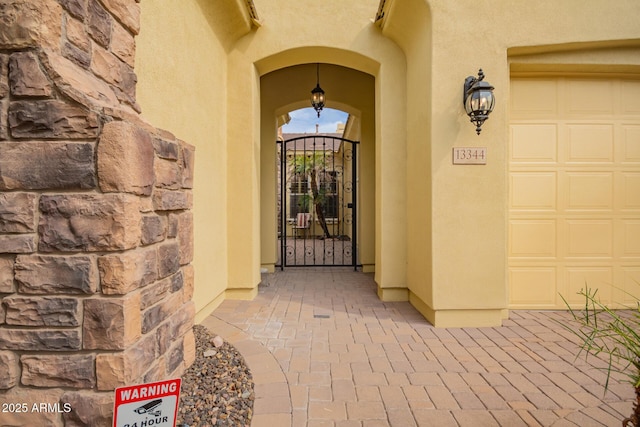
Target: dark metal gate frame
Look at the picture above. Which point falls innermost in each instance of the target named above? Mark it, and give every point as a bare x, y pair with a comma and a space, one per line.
342, 208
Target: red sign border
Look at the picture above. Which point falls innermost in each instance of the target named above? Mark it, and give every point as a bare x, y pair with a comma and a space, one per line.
118, 402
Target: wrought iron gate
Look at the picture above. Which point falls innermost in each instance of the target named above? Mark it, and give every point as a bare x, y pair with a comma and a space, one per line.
317, 208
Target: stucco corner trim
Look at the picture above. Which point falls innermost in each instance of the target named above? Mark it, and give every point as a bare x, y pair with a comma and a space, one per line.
458, 318
393, 294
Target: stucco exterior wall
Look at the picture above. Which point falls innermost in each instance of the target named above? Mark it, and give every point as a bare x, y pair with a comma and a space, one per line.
440, 232
182, 69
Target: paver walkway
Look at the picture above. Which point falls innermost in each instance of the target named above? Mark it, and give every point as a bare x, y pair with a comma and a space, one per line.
325, 351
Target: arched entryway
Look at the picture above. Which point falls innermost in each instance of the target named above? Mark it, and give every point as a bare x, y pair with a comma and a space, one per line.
349, 90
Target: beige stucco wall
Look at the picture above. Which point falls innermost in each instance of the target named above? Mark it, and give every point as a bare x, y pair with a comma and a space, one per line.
181, 67
440, 230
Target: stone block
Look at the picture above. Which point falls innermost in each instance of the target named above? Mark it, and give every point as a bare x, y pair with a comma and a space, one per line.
175, 327
189, 346
146, 205
89, 409
157, 372
177, 281
175, 357
100, 23
9, 370
42, 311
112, 70
77, 8
172, 229
111, 371
155, 292
4, 114
165, 149
47, 165
110, 323
4, 75
70, 370
31, 418
124, 272
25, 24
168, 200
45, 274
158, 313
127, 12
153, 229
77, 34
125, 159
26, 76
17, 243
40, 340
76, 55
79, 85
17, 212
7, 285
51, 118
185, 237
89, 222
167, 174
123, 45
188, 164
189, 282
125, 368
168, 258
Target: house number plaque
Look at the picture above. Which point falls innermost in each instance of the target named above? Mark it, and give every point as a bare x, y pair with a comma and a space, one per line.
469, 155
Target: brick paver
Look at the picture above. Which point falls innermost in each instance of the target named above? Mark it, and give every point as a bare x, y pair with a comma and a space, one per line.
325, 351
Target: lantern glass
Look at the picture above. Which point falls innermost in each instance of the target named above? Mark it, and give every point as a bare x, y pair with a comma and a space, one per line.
317, 99
480, 101
317, 96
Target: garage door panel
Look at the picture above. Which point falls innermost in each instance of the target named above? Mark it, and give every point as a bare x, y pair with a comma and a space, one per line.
534, 143
629, 94
533, 191
630, 191
533, 285
589, 97
589, 238
589, 143
631, 238
533, 238
580, 278
574, 196
589, 191
534, 97
630, 293
631, 144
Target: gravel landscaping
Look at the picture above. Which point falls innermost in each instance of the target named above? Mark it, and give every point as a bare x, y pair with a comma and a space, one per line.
217, 390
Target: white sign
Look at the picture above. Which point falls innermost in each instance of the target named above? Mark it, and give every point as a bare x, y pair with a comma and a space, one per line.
147, 405
469, 155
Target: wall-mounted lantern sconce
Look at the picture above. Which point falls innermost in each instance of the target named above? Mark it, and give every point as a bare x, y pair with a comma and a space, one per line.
478, 99
317, 94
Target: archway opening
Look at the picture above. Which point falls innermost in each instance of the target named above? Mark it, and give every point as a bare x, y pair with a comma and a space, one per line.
317, 190
351, 102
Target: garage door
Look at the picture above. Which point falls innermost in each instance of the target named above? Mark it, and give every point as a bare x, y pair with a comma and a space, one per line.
574, 190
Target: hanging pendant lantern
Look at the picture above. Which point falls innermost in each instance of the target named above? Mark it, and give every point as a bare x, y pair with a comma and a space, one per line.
317, 94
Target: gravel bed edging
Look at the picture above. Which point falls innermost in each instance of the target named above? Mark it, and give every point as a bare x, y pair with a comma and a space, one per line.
218, 389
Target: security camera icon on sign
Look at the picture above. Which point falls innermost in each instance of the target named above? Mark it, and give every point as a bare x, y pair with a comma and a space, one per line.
150, 408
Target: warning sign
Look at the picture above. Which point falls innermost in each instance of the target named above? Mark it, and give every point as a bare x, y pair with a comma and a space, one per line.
147, 405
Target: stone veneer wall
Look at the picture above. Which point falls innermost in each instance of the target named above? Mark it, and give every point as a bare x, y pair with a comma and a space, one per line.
95, 223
